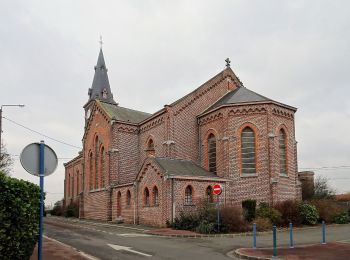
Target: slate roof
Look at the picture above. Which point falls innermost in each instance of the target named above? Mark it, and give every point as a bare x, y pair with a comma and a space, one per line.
178, 167
124, 114
100, 88
239, 95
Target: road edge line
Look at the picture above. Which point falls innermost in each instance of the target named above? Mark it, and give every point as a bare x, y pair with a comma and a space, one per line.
90, 257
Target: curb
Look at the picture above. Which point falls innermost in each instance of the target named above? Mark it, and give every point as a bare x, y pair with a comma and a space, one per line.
239, 255
87, 256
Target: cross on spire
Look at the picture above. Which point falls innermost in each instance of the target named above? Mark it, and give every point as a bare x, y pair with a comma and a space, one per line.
228, 62
100, 41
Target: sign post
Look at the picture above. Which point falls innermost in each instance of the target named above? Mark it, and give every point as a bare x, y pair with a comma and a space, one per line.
40, 160
217, 190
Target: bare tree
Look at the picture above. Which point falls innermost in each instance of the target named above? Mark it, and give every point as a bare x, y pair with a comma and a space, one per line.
6, 161
322, 189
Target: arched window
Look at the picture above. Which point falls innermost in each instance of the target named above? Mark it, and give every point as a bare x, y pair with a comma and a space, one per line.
282, 151
68, 185
150, 151
155, 196
146, 197
103, 166
188, 195
91, 184
209, 194
248, 151
96, 162
212, 153
128, 198
78, 182
119, 204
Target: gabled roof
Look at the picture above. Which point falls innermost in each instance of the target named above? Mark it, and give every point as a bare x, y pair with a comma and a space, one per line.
239, 95
179, 167
222, 74
123, 114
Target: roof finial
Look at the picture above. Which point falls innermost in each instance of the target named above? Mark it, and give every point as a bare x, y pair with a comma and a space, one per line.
228, 62
100, 41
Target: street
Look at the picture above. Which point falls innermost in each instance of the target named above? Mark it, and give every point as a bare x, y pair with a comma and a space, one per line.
110, 241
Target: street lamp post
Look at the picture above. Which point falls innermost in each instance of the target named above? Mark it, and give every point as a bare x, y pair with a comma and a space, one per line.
19, 105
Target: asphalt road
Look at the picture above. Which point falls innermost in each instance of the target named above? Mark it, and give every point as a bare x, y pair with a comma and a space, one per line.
96, 239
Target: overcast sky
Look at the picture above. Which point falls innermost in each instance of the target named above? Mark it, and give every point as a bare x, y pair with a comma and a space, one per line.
295, 52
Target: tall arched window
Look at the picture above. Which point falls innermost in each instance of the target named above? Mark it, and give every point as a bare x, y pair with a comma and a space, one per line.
91, 184
212, 153
68, 185
150, 148
78, 182
103, 166
155, 196
128, 198
209, 194
188, 195
146, 197
119, 204
282, 152
96, 162
248, 151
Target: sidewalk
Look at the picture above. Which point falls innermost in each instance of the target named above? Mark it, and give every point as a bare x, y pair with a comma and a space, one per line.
55, 250
334, 251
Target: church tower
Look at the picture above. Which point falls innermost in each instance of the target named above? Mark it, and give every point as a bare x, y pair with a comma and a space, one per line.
100, 88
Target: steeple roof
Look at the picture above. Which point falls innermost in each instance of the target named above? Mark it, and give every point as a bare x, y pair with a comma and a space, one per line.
100, 88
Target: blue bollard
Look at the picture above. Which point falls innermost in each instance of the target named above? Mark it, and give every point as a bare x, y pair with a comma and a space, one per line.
274, 255
323, 232
291, 243
254, 236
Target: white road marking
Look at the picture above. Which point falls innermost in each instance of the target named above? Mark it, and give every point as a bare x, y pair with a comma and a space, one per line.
125, 248
133, 235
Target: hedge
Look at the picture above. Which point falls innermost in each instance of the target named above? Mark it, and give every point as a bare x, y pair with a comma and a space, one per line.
19, 217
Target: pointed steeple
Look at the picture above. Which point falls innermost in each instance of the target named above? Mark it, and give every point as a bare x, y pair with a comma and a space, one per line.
100, 88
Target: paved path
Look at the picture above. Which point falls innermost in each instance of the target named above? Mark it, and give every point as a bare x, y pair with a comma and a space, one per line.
94, 237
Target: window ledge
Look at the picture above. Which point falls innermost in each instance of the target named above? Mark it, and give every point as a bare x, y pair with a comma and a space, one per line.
189, 205
249, 175
97, 190
284, 175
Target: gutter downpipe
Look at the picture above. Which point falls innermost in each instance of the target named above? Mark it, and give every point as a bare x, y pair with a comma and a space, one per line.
172, 201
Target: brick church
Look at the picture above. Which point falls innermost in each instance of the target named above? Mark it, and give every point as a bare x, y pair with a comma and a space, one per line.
147, 168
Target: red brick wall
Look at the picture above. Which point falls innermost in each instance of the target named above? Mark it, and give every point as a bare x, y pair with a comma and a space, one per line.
127, 211
227, 123
151, 214
96, 205
185, 126
73, 180
125, 163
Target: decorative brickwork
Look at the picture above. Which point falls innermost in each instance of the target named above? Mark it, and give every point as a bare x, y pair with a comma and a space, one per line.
138, 170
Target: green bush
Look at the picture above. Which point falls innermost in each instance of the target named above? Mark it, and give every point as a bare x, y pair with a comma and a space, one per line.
71, 210
186, 221
249, 208
205, 227
341, 218
308, 213
264, 211
19, 217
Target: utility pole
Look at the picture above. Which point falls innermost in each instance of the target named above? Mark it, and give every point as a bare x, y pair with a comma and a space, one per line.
20, 105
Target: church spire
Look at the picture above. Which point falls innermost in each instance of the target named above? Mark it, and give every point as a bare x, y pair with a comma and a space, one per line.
100, 88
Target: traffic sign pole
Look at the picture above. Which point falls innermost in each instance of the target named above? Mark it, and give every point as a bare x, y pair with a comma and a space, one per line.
41, 175
217, 190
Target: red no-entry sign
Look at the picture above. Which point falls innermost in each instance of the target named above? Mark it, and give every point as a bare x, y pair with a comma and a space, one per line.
217, 189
